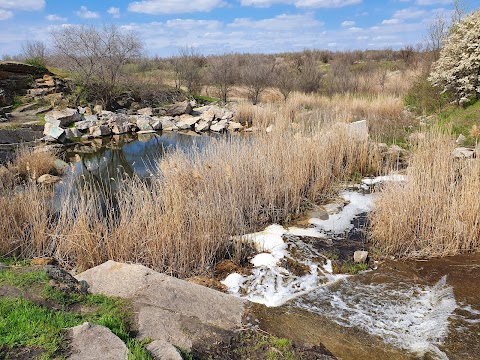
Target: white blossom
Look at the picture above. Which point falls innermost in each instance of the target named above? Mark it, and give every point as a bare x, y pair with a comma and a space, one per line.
457, 71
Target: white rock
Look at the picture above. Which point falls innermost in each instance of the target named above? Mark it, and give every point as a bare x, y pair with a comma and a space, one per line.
358, 130
360, 257
463, 153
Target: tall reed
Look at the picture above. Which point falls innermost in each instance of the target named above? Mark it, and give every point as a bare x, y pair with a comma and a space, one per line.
436, 212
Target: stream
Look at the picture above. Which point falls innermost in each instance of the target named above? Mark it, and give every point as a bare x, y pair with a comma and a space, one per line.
394, 310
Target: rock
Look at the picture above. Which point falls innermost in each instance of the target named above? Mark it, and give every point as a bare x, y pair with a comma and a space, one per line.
66, 116
202, 125
85, 124
461, 139
168, 309
148, 111
54, 132
463, 153
189, 119
143, 123
208, 116
179, 109
251, 129
157, 124
99, 131
220, 126
360, 257
48, 179
163, 350
358, 130
234, 126
269, 129
60, 165
81, 110
168, 123
63, 280
93, 342
97, 109
71, 133
119, 124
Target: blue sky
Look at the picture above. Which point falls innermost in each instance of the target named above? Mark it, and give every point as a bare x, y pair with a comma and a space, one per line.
219, 26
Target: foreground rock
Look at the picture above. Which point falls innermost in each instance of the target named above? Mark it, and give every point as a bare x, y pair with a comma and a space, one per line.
92, 342
169, 310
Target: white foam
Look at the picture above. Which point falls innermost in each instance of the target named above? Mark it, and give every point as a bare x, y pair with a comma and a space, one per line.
264, 259
342, 221
379, 179
308, 232
408, 316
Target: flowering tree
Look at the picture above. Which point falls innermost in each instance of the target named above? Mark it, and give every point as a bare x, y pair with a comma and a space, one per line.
457, 71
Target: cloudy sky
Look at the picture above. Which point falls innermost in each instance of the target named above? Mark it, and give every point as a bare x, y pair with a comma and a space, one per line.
219, 26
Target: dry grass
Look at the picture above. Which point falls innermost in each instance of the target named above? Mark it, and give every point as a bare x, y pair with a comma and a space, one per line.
183, 221
437, 211
31, 164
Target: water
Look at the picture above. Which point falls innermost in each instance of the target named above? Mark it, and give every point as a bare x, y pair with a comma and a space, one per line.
399, 307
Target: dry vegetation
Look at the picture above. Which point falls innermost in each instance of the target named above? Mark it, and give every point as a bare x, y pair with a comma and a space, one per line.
183, 221
436, 212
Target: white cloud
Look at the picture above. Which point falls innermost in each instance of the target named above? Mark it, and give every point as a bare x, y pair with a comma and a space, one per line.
157, 7
190, 24
54, 17
279, 23
391, 22
22, 4
409, 13
348, 23
84, 13
114, 11
325, 3
433, 2
301, 3
5, 14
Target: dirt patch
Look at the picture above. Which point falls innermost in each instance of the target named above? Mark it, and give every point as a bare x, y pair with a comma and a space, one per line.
20, 353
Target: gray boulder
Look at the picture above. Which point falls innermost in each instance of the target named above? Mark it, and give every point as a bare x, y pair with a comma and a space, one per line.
358, 130
156, 124
148, 111
463, 153
71, 133
143, 123
65, 116
220, 126
99, 131
93, 342
202, 125
360, 257
168, 123
168, 309
85, 124
55, 132
179, 109
162, 350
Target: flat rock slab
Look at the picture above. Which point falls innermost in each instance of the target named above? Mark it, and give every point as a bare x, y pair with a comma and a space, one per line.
169, 309
161, 350
93, 342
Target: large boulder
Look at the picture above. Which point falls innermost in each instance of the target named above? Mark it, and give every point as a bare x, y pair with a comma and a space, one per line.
168, 309
92, 342
179, 109
65, 116
463, 153
219, 126
168, 123
100, 130
144, 122
358, 130
54, 131
85, 124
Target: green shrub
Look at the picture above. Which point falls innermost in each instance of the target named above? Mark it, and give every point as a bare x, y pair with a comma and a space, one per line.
423, 98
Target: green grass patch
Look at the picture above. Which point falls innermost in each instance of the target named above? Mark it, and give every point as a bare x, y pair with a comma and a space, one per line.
205, 100
26, 324
460, 120
354, 268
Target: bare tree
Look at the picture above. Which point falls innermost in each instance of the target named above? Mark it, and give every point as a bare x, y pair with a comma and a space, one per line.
309, 74
188, 66
437, 32
34, 50
223, 73
96, 57
256, 75
285, 79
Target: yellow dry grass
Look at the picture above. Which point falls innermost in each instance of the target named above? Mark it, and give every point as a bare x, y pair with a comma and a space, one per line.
182, 222
437, 211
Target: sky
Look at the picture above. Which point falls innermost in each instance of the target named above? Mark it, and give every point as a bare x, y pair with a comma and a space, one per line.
224, 26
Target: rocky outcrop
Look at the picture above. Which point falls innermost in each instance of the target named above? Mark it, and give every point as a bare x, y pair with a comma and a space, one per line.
59, 123
179, 109
170, 310
93, 342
